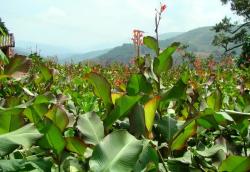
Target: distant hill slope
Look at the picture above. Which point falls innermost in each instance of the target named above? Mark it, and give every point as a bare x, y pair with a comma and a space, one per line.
199, 41
169, 35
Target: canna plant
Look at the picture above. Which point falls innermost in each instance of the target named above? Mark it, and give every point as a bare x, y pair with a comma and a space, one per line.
70, 118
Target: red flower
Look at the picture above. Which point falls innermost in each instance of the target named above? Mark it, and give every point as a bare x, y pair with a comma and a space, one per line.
163, 7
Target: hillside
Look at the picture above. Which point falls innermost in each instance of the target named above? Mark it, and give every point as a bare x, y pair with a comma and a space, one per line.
199, 41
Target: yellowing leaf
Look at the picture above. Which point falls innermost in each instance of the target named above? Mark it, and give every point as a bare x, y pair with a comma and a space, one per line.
115, 96
150, 109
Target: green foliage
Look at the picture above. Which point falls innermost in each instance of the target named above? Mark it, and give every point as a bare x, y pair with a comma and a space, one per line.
118, 151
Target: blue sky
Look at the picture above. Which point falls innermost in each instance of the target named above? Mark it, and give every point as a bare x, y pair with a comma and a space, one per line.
85, 25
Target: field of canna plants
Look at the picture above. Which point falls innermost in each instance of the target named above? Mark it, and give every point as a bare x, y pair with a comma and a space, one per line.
147, 116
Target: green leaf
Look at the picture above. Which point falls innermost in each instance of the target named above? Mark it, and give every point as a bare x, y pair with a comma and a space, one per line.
177, 92
167, 127
3, 58
151, 43
122, 108
91, 126
147, 156
180, 141
46, 74
119, 151
242, 127
52, 138
214, 101
24, 136
10, 120
59, 116
177, 166
12, 165
34, 164
209, 152
235, 163
137, 121
164, 61
101, 86
138, 84
150, 110
74, 144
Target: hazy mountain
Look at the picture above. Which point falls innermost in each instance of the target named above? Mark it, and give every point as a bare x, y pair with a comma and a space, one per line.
199, 41
61, 53
169, 35
45, 50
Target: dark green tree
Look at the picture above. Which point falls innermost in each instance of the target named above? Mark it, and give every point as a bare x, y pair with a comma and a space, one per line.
3, 28
231, 35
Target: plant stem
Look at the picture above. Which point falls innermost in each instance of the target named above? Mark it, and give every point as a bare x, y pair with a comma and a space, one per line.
162, 160
245, 148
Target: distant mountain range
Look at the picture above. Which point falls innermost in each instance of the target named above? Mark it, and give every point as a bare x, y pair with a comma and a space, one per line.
199, 41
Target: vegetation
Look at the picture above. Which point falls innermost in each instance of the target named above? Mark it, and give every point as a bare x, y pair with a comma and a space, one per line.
234, 35
146, 116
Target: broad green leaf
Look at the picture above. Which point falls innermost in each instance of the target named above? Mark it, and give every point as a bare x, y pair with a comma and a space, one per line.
164, 61
177, 166
36, 112
46, 74
138, 84
177, 92
137, 121
242, 127
10, 120
32, 164
119, 151
17, 64
209, 152
167, 127
59, 116
12, 165
52, 138
91, 126
180, 141
150, 109
74, 144
24, 136
121, 109
235, 163
214, 101
151, 43
101, 86
148, 155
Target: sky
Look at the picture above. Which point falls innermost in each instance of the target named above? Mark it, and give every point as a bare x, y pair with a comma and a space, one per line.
86, 25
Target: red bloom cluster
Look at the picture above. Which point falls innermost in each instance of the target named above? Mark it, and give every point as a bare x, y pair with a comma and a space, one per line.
137, 37
163, 7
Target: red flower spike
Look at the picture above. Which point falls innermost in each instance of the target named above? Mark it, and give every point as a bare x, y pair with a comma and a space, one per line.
163, 7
